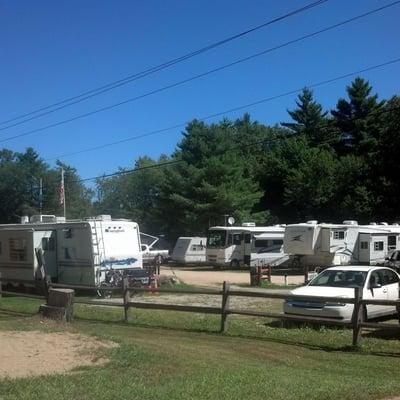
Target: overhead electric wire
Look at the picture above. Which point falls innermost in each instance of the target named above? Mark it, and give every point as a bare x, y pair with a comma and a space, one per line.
238, 108
139, 75
179, 83
241, 146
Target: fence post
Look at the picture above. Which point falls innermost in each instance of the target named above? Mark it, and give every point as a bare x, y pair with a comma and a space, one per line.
269, 271
305, 273
225, 306
356, 315
125, 297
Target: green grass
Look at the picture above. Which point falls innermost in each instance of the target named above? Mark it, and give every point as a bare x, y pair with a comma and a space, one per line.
170, 355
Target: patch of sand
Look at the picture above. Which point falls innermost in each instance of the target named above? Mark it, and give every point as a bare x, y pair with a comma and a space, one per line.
24, 354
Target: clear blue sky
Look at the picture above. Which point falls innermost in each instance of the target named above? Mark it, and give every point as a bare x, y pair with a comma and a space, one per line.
52, 49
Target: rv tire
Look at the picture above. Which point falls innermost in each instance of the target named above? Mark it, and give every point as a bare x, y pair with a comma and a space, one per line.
234, 264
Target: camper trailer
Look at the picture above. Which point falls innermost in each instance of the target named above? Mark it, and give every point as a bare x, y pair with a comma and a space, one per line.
73, 252
323, 244
190, 250
237, 246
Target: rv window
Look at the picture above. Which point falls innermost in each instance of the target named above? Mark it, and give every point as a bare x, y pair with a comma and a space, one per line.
230, 239
378, 246
277, 242
262, 243
391, 242
18, 249
196, 247
247, 238
364, 245
338, 235
216, 239
237, 238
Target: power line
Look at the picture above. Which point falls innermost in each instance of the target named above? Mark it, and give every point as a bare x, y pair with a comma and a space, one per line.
179, 83
241, 146
130, 78
238, 108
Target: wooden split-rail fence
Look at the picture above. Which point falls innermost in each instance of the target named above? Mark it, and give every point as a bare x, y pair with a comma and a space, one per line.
226, 292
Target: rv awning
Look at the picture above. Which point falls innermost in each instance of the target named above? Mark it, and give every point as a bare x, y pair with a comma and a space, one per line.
270, 235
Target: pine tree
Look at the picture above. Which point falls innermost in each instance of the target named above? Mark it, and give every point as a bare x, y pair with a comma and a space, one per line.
310, 119
358, 119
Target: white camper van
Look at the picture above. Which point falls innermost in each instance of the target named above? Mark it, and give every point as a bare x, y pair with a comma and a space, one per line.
236, 246
340, 244
190, 250
74, 252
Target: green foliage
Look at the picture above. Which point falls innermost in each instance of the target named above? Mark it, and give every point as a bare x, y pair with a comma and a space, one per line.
324, 166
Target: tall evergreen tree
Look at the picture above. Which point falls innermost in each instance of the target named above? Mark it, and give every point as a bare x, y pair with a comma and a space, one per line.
358, 119
309, 119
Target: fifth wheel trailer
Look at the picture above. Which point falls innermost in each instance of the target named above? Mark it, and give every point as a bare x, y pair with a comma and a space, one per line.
190, 250
74, 252
323, 244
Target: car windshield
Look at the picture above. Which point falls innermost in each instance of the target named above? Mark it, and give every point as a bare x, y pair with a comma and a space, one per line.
216, 239
340, 278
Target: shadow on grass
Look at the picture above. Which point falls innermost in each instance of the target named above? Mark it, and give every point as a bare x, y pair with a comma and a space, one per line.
4, 312
349, 349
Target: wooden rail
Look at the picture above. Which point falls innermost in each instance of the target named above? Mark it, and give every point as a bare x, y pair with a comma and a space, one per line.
356, 323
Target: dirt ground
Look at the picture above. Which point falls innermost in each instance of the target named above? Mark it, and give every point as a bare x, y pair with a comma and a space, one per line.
207, 276
24, 354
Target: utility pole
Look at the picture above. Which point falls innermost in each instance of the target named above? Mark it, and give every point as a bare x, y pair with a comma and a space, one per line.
40, 195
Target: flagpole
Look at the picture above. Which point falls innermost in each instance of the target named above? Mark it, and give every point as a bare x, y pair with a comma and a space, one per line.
62, 192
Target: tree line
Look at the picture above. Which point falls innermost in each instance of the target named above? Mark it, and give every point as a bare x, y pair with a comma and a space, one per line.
328, 165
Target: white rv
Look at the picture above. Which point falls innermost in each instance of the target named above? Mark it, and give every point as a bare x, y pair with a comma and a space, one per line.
74, 252
340, 244
236, 246
190, 250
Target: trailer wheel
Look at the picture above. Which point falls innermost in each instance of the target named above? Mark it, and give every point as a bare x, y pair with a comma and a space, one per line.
103, 292
234, 264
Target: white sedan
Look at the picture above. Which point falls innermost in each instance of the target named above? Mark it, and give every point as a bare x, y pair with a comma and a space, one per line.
377, 283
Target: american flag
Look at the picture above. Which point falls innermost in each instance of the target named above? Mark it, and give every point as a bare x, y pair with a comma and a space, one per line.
62, 189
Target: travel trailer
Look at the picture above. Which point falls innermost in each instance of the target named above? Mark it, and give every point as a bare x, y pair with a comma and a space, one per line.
323, 244
73, 252
190, 250
237, 246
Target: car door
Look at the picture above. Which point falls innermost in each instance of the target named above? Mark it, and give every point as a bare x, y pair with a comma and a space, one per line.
391, 282
375, 290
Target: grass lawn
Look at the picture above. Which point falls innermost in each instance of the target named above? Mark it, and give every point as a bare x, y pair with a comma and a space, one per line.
170, 355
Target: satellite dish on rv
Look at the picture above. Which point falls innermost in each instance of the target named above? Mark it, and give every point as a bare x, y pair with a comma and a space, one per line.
231, 220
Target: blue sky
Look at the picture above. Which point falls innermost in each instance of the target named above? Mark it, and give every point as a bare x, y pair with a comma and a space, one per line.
52, 50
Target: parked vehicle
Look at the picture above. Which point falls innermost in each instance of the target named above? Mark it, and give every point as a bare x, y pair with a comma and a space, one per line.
314, 244
393, 261
378, 283
190, 250
236, 246
151, 251
74, 252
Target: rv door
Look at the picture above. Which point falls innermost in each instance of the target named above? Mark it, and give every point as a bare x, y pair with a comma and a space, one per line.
46, 241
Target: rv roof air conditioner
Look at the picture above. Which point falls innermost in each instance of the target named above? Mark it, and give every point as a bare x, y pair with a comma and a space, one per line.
372, 223
103, 217
248, 224
24, 219
350, 222
43, 218
312, 222
383, 223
